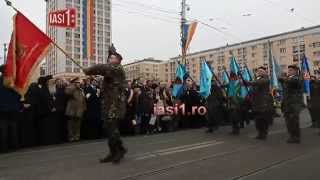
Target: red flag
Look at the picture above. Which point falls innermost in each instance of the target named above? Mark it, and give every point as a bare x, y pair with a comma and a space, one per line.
27, 47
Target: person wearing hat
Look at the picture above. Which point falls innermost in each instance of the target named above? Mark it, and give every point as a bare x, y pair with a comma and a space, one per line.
261, 102
233, 100
292, 103
113, 102
76, 106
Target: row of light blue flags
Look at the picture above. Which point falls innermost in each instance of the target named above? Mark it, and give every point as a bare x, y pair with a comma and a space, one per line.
234, 86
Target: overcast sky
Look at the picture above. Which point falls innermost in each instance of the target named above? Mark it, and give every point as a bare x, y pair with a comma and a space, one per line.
150, 28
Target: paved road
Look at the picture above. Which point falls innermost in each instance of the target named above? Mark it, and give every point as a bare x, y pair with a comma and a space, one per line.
187, 155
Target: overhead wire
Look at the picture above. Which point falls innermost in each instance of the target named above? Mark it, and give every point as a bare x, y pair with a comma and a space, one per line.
150, 6
147, 15
279, 6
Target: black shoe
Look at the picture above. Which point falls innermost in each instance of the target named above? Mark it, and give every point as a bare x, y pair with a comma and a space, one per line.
107, 159
119, 155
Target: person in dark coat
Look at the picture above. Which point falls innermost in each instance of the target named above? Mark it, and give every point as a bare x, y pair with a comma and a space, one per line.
46, 119
292, 103
314, 102
234, 102
126, 125
92, 116
10, 107
190, 98
28, 124
262, 102
215, 102
145, 106
60, 104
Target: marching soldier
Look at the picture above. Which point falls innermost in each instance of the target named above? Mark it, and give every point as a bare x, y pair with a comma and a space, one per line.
234, 103
261, 102
113, 102
292, 103
215, 103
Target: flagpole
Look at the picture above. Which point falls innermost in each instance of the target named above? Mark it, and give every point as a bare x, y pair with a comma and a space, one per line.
54, 43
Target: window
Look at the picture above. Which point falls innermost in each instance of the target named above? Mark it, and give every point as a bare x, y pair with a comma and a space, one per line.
77, 50
68, 48
253, 48
68, 62
77, 43
253, 55
76, 70
316, 44
68, 42
77, 56
282, 42
68, 34
76, 35
283, 50
68, 69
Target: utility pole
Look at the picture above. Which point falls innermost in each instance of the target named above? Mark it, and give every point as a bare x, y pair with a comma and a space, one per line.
4, 52
182, 35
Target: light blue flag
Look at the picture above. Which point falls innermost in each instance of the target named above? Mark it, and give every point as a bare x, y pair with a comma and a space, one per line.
247, 77
306, 75
206, 75
234, 67
177, 89
234, 88
225, 78
275, 85
181, 71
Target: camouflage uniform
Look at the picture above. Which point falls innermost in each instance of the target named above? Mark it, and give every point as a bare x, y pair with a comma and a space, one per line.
261, 105
292, 105
113, 101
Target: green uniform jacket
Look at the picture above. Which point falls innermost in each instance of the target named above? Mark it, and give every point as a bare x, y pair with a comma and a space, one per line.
113, 90
292, 94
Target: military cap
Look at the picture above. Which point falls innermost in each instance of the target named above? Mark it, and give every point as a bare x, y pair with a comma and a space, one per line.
113, 51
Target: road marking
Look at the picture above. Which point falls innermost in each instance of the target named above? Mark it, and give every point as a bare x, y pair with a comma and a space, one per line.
184, 146
183, 163
178, 149
191, 148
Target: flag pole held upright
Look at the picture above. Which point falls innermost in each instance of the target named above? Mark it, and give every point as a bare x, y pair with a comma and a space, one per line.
9, 3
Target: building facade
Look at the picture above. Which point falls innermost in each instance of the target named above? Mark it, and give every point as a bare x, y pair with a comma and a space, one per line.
148, 69
287, 48
87, 43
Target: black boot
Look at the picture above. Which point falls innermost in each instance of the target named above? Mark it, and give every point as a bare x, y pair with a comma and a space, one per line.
107, 159
119, 154
110, 157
